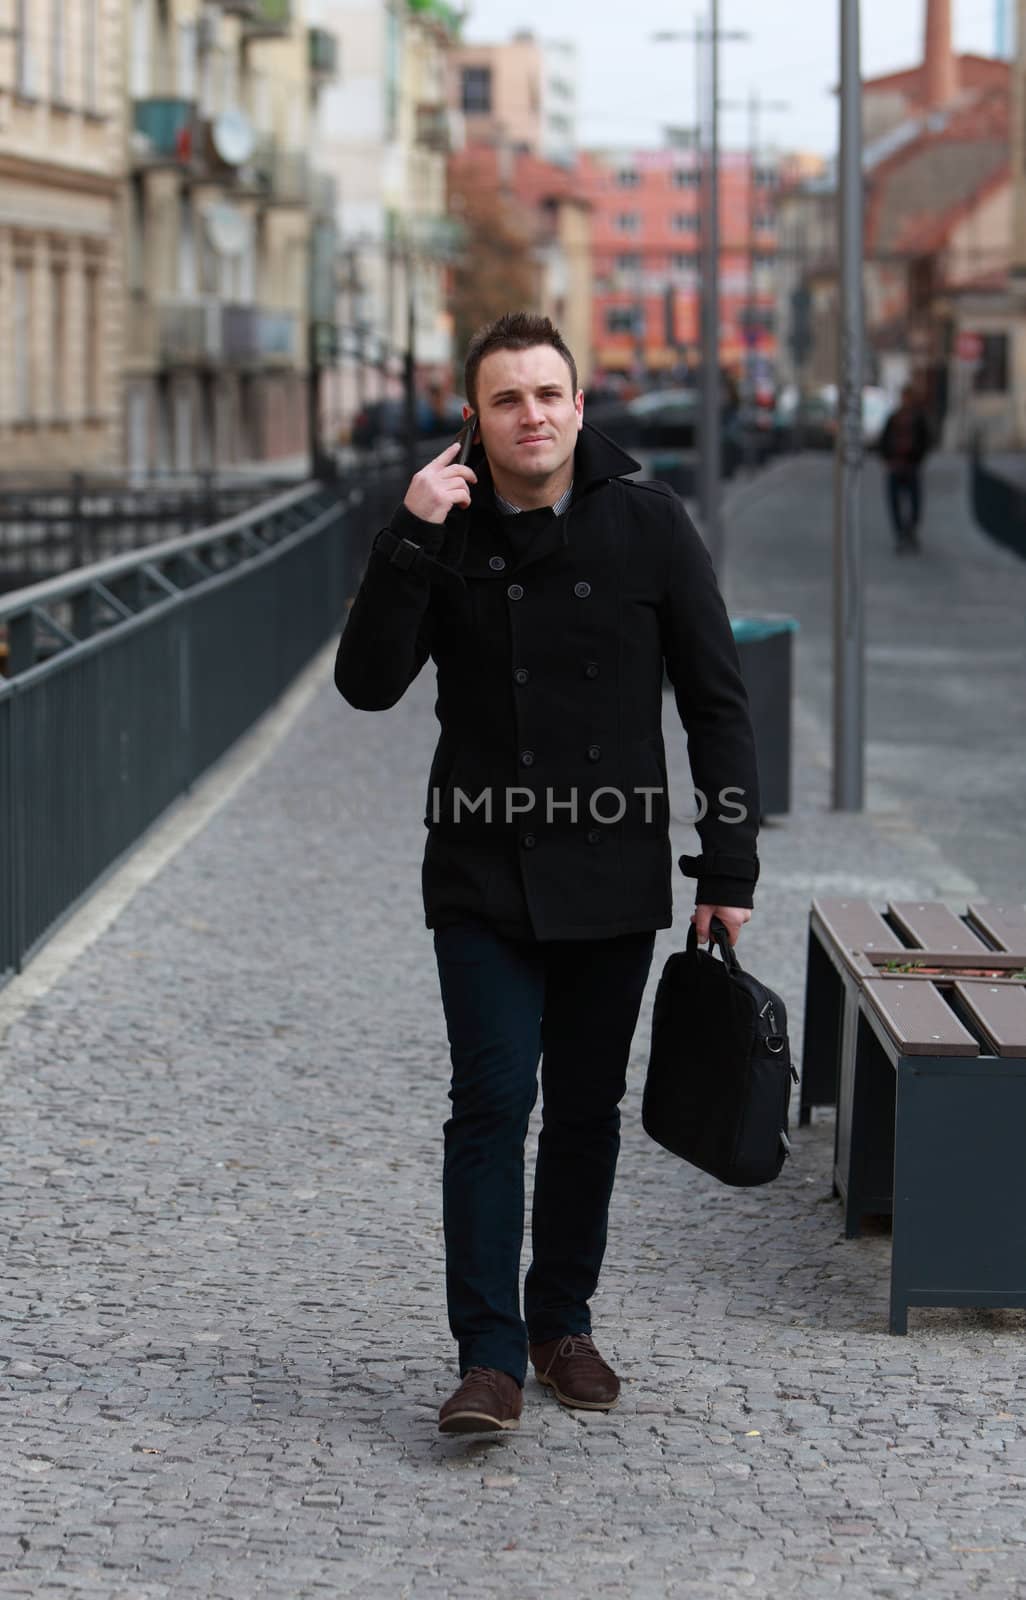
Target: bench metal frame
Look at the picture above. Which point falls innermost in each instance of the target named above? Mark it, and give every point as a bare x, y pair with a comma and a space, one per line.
938, 1142
933, 1139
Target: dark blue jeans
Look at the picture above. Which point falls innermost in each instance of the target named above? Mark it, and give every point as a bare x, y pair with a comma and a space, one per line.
575, 1004
905, 498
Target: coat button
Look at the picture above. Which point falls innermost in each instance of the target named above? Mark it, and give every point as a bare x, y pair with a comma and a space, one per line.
582, 590
594, 836
591, 669
497, 564
528, 842
527, 758
515, 591
594, 752
521, 675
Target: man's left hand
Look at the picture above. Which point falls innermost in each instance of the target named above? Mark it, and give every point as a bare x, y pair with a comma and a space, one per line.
732, 917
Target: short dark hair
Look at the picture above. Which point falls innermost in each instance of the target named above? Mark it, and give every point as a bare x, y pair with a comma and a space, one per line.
517, 330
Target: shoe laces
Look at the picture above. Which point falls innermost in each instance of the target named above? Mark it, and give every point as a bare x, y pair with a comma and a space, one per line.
580, 1344
489, 1374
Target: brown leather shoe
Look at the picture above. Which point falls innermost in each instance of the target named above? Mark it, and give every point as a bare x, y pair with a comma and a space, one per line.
574, 1370
485, 1402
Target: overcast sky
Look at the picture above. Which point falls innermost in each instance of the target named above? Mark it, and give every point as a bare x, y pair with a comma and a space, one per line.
629, 88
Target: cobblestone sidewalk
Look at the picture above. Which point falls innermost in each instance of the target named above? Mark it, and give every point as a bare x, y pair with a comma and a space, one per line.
223, 1328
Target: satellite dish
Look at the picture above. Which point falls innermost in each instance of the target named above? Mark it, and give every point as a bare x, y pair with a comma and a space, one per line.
227, 229
232, 136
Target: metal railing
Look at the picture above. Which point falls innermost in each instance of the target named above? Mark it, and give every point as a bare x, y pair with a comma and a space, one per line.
48, 527
999, 505
127, 679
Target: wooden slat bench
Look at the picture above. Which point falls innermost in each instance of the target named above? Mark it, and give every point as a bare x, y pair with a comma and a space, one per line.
929, 1070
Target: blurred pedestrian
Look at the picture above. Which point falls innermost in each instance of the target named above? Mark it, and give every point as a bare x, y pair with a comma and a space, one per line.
904, 445
548, 588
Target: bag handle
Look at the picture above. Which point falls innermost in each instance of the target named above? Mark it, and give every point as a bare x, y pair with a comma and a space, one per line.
721, 938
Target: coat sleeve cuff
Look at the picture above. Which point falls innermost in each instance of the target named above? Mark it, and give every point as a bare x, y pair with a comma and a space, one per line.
714, 864
429, 535
724, 892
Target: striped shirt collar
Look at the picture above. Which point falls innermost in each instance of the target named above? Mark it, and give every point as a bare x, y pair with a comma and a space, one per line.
507, 509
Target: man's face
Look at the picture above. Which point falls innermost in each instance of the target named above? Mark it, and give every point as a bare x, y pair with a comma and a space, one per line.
528, 412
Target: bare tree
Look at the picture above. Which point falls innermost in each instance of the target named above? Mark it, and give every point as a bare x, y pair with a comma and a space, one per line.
498, 269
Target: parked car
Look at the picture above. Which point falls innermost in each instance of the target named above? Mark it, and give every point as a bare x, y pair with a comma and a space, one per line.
668, 419
810, 422
386, 420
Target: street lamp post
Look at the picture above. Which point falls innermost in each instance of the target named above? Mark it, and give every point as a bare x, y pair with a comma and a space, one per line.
709, 462
710, 466
849, 639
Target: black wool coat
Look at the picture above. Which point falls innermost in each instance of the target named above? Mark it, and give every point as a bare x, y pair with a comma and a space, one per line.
549, 635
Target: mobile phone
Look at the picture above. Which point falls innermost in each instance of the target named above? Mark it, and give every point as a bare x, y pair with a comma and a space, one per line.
466, 438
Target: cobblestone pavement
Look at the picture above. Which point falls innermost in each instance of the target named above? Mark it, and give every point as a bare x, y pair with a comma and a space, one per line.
223, 1326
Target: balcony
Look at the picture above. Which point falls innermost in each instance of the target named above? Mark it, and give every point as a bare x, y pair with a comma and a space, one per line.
323, 194
323, 48
283, 176
255, 336
190, 333
268, 19
433, 128
163, 128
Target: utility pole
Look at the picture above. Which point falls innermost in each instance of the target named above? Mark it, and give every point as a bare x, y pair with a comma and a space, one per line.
849, 630
710, 37
710, 467
410, 364
756, 106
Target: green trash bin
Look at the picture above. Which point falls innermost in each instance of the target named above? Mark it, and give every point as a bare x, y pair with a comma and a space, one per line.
765, 645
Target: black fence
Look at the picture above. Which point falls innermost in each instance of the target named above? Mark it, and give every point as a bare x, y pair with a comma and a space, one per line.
999, 505
127, 679
50, 525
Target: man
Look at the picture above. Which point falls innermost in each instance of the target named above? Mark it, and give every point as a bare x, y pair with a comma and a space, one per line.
548, 590
904, 444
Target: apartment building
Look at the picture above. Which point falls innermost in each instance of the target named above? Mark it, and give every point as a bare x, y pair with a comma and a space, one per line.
61, 158
646, 239
522, 95
385, 132
222, 214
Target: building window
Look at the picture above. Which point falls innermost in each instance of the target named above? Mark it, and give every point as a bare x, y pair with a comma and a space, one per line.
765, 219
93, 343
685, 222
58, 346
25, 64
136, 252
91, 54
683, 260
622, 319
22, 352
187, 60
758, 319
187, 281
686, 178
627, 178
477, 91
991, 376
765, 178
630, 261
628, 222
140, 74
57, 50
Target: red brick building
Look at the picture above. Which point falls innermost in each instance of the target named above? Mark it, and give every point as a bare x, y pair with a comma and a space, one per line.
646, 242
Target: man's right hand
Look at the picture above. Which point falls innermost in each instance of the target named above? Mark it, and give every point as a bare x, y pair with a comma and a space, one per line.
439, 486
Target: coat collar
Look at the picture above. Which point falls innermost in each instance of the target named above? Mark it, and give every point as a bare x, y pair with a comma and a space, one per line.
596, 460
